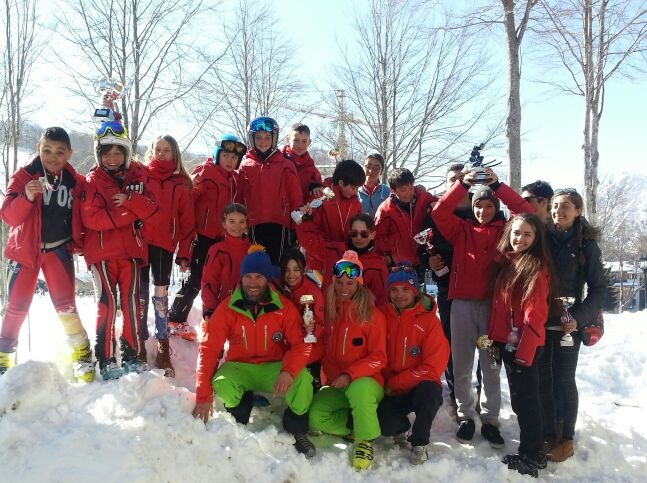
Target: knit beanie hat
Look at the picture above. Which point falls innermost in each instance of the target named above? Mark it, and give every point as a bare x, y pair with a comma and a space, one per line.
258, 261
403, 274
485, 193
342, 266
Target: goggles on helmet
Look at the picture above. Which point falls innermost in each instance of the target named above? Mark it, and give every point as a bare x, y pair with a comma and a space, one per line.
350, 269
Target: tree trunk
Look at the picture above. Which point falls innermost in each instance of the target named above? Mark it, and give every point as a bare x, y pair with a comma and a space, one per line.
513, 122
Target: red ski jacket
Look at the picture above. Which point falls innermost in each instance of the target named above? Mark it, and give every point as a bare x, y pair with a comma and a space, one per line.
112, 232
221, 271
251, 341
25, 217
355, 348
396, 228
530, 318
270, 189
213, 189
416, 347
309, 175
321, 254
175, 225
375, 275
474, 244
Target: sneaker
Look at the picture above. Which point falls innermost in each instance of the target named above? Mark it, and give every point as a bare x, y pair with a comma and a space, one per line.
82, 363
492, 434
6, 361
401, 440
109, 370
304, 445
182, 329
465, 431
525, 464
134, 366
418, 455
562, 451
363, 454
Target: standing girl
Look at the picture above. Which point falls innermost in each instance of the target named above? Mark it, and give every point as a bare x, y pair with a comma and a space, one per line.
173, 230
519, 310
222, 267
578, 261
115, 204
373, 192
355, 354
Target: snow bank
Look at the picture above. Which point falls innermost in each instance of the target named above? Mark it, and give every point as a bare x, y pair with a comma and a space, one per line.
139, 428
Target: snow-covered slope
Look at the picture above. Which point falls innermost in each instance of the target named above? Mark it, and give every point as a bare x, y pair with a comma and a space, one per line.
139, 428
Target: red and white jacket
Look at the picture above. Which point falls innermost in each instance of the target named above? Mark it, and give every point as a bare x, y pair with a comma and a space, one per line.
213, 189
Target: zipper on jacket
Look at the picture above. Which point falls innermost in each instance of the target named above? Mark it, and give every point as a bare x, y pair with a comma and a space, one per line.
173, 231
265, 338
404, 351
245, 338
343, 347
206, 219
101, 239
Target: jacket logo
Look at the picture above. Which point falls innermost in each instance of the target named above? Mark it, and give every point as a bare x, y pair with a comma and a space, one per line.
277, 336
414, 351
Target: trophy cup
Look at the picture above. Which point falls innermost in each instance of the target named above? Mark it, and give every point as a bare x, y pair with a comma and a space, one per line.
308, 318
567, 303
476, 164
110, 90
424, 238
328, 194
484, 342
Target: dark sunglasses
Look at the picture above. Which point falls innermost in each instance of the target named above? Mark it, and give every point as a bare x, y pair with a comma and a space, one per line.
233, 147
347, 268
530, 198
362, 233
403, 268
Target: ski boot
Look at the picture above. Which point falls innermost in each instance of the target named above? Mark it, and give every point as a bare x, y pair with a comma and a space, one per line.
133, 365
182, 329
6, 361
82, 363
109, 369
363, 454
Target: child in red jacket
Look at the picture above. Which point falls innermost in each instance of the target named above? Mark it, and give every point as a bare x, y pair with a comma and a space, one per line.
361, 240
296, 150
115, 204
519, 312
220, 274
417, 355
215, 185
174, 229
355, 354
44, 226
474, 243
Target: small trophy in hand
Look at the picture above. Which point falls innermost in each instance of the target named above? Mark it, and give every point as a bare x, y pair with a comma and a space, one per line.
328, 194
308, 318
485, 343
567, 303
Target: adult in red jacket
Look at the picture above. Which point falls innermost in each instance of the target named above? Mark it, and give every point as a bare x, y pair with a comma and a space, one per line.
355, 354
520, 309
215, 185
474, 243
115, 204
44, 227
296, 150
400, 217
417, 353
174, 229
257, 321
270, 188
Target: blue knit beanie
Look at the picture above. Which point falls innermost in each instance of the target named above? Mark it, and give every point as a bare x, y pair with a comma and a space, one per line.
404, 277
258, 262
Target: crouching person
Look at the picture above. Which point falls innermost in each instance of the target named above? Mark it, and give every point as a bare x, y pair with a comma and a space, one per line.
259, 324
417, 356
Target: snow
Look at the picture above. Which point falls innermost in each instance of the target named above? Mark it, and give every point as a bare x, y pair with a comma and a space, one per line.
140, 429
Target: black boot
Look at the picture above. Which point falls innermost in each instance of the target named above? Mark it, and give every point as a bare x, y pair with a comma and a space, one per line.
244, 409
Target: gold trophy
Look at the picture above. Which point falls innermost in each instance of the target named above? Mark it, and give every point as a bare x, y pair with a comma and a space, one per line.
308, 318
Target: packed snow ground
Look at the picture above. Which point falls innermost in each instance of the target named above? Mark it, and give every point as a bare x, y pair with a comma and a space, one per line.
139, 428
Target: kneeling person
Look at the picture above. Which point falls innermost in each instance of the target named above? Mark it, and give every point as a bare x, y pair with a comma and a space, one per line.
417, 356
259, 324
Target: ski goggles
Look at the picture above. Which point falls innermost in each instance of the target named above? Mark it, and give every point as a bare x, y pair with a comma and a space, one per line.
402, 268
263, 124
113, 128
233, 147
344, 267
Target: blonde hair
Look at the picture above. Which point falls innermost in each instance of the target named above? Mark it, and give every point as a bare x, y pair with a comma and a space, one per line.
361, 305
177, 155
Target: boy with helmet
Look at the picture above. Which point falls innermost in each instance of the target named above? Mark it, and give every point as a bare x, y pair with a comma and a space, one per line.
270, 188
215, 185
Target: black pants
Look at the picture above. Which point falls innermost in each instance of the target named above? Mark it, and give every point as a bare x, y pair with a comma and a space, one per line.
424, 400
292, 423
190, 289
557, 367
160, 263
276, 239
525, 401
444, 309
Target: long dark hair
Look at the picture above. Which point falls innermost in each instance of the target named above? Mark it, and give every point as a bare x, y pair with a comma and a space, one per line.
517, 275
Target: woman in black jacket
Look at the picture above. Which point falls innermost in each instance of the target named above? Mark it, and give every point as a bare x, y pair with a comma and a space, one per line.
577, 259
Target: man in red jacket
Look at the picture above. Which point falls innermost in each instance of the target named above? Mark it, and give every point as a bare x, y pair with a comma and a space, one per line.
417, 356
257, 321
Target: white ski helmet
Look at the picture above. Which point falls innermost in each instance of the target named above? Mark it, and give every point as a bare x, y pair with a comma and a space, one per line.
112, 133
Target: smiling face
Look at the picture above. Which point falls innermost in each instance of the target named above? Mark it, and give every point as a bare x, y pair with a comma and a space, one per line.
299, 142
235, 224
564, 212
113, 159
401, 295
484, 211
293, 274
345, 287
54, 154
522, 236
254, 286
163, 150
263, 141
373, 170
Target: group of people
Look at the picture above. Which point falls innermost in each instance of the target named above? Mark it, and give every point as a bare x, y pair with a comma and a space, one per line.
313, 288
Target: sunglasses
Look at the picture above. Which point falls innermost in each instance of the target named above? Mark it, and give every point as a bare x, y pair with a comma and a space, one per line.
263, 124
349, 269
233, 147
114, 128
530, 198
403, 268
565, 191
362, 233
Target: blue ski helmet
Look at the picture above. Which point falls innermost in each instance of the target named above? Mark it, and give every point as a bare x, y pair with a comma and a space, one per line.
263, 124
231, 144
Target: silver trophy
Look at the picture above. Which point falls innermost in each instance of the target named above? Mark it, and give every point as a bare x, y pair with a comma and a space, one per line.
424, 238
328, 194
110, 90
485, 343
308, 318
567, 303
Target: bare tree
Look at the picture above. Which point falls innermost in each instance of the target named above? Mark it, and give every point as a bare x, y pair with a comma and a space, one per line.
413, 90
594, 40
150, 44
